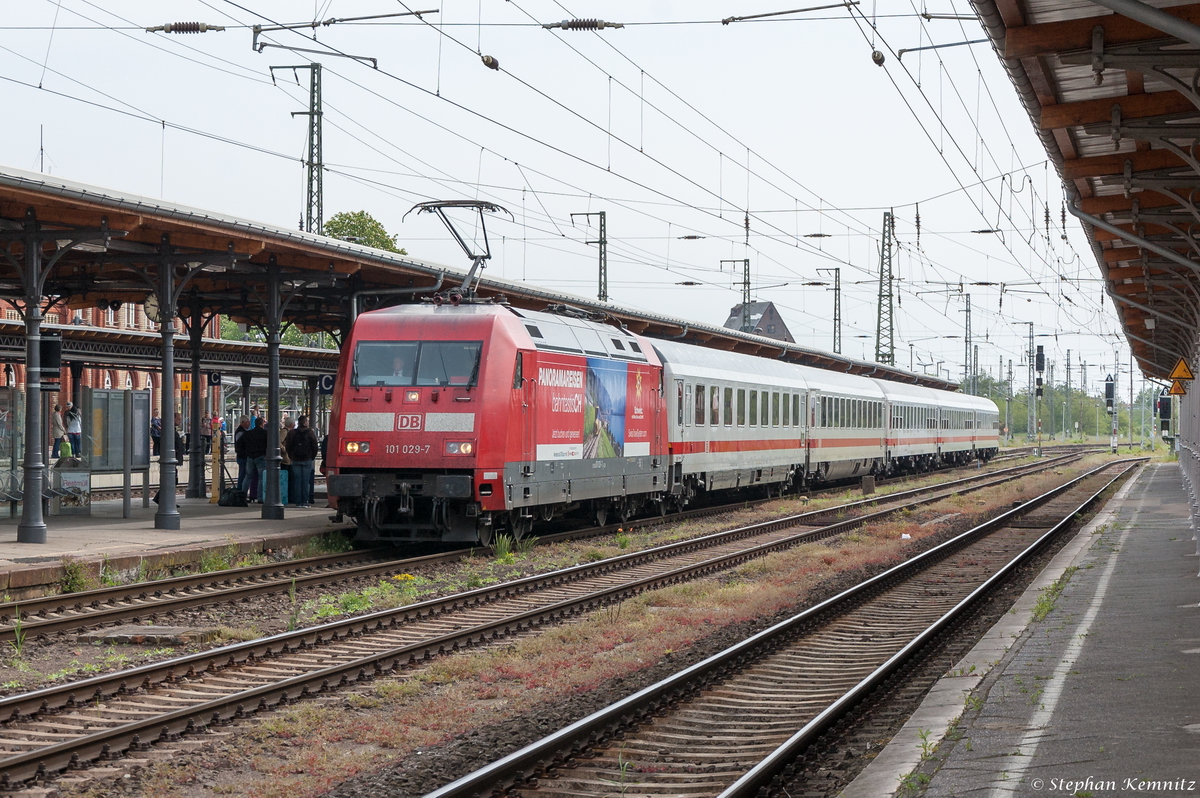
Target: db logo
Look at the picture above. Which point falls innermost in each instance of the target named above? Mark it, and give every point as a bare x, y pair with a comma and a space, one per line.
410, 422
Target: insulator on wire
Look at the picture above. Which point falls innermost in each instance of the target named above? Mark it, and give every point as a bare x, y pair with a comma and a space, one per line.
583, 24
185, 27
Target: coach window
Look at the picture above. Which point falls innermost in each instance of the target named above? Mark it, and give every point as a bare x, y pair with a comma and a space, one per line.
699, 405
687, 411
796, 414
766, 408
754, 408
729, 407
741, 411
775, 408
787, 405
714, 397
679, 411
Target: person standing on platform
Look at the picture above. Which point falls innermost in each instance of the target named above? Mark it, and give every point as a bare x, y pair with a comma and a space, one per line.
303, 448
239, 450
74, 423
287, 480
206, 434
156, 433
180, 441
255, 442
58, 430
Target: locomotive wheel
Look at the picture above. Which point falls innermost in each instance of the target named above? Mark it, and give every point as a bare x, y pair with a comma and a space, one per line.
485, 534
520, 527
600, 514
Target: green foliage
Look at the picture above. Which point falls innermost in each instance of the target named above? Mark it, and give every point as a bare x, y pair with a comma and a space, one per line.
395, 591
502, 546
1047, 596
361, 228
18, 641
75, 578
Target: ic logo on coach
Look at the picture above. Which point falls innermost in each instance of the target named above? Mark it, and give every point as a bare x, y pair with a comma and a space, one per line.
408, 422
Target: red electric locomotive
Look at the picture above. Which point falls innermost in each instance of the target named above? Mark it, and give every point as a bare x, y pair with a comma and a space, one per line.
453, 421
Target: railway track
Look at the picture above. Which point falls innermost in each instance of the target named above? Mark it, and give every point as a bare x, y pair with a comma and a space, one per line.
732, 726
47, 616
68, 726
44, 617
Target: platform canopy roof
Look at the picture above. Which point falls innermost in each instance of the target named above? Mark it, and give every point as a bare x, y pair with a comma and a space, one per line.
226, 261
1111, 88
114, 246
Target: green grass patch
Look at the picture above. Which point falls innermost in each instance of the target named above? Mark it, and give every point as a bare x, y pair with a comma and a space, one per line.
1047, 596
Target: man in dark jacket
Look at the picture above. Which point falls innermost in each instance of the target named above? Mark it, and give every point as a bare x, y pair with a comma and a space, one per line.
239, 450
302, 447
254, 443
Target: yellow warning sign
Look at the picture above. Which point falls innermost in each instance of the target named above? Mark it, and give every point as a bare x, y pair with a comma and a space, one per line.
1181, 371
1178, 389
185, 385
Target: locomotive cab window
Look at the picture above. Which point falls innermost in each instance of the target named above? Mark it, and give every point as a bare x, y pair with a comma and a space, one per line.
406, 363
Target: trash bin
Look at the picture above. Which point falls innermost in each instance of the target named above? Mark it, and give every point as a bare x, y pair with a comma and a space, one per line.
71, 484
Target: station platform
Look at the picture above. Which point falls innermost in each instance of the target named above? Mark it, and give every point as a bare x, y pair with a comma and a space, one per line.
129, 545
1100, 698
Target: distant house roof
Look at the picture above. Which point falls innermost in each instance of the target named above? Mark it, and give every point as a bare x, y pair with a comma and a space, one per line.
764, 320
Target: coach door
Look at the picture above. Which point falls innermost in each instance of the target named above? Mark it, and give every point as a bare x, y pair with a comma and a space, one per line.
529, 414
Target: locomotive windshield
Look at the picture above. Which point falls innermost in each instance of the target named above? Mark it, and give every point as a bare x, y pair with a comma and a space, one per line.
409, 363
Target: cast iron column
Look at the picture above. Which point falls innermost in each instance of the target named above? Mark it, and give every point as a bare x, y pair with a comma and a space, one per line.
313, 398
77, 388
272, 507
246, 392
195, 488
32, 528
167, 516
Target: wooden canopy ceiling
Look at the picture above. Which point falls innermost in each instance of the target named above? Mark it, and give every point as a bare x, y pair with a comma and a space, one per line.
226, 262
1116, 105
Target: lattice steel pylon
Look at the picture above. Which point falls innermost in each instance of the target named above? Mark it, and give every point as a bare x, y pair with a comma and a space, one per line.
1032, 400
885, 338
314, 206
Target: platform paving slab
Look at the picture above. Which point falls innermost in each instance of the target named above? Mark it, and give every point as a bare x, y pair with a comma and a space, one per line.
127, 544
1099, 698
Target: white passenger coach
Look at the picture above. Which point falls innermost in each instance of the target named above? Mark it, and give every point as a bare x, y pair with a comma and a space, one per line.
739, 420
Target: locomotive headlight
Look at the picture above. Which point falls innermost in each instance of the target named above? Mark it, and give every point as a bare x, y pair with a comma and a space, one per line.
357, 447
412, 396
460, 447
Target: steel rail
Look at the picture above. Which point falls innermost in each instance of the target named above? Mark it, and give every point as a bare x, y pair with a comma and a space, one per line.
52, 697
106, 606
103, 743
524, 764
776, 762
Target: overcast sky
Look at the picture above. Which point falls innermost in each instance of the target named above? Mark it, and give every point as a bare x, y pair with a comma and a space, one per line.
676, 125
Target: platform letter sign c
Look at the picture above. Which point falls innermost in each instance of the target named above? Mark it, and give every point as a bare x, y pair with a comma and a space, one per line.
325, 384
408, 422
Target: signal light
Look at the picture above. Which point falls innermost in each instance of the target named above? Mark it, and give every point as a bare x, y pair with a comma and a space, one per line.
1164, 408
1041, 360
